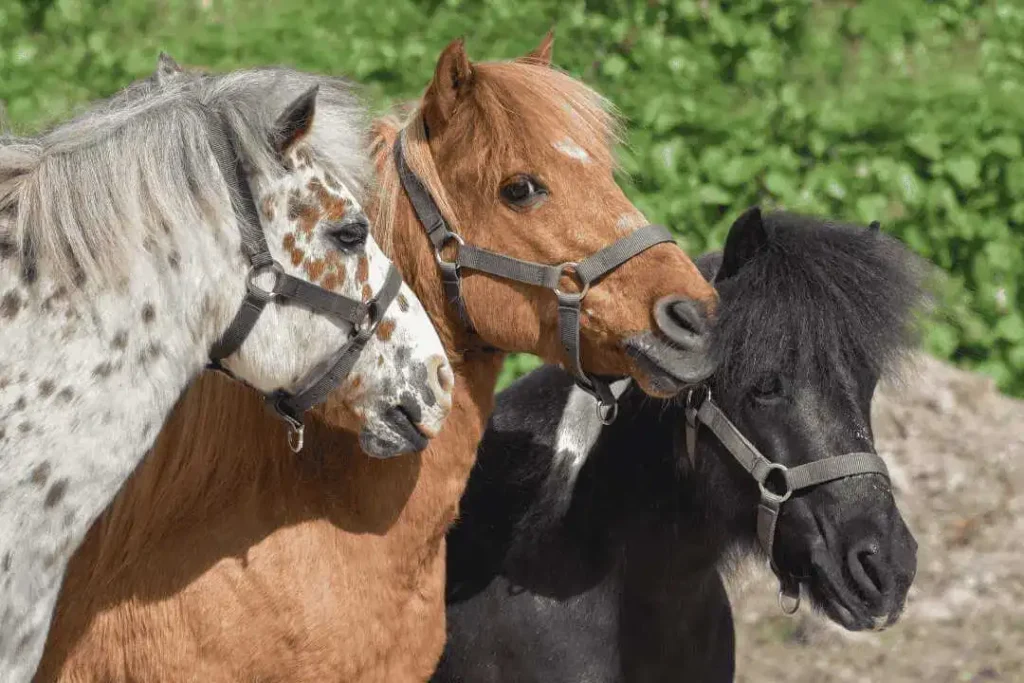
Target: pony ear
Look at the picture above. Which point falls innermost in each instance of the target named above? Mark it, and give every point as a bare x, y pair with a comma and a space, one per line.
542, 53
453, 79
746, 237
874, 227
294, 122
166, 69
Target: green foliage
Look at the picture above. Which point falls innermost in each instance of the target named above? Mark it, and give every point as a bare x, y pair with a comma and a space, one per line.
905, 111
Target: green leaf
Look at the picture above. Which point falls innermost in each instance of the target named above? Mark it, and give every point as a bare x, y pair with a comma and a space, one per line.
927, 145
965, 171
871, 207
1006, 145
1011, 327
712, 194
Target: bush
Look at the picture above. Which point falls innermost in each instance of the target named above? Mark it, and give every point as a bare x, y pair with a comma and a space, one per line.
905, 111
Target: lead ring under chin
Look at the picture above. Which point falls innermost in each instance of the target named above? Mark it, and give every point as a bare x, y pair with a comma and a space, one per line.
793, 601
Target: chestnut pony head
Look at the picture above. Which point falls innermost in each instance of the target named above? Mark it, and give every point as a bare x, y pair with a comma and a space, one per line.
517, 156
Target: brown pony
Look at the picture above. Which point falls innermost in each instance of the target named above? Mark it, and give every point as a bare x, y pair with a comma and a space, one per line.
220, 563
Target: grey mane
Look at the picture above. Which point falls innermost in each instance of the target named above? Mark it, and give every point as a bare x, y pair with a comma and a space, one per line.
81, 199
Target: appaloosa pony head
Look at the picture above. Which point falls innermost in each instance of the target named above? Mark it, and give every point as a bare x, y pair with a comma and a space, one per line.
518, 158
812, 315
270, 155
308, 183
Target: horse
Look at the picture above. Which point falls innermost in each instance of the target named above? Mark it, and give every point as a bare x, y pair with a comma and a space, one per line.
152, 236
330, 566
603, 560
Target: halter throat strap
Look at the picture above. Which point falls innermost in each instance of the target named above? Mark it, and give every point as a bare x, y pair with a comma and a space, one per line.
778, 488
586, 273
363, 317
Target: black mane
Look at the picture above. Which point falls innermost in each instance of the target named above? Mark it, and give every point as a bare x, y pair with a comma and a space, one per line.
817, 294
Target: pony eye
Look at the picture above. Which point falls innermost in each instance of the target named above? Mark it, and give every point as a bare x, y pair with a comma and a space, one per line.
349, 233
523, 191
767, 389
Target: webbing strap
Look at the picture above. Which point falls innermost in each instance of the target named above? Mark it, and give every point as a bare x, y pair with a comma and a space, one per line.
321, 300
437, 231
254, 242
835, 467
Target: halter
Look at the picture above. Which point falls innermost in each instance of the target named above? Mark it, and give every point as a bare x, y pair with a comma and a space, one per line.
703, 410
587, 272
363, 317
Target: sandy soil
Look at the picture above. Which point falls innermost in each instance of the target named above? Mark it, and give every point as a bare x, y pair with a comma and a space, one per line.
955, 448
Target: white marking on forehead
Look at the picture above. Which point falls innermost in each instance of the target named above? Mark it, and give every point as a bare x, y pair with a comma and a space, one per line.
569, 148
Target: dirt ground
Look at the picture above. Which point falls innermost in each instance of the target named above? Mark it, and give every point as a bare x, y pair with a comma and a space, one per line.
955, 449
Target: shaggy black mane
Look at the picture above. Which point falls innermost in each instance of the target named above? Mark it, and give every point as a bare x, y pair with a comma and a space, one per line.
818, 295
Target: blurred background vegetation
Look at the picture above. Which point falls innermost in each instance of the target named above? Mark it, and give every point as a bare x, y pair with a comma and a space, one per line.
905, 111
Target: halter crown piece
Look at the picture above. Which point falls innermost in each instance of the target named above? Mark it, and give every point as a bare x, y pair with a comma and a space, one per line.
587, 272
777, 489
364, 317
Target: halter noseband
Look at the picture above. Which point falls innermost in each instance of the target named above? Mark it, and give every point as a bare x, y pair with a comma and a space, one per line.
587, 272
701, 409
364, 317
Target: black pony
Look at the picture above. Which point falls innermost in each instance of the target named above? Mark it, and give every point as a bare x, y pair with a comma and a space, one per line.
591, 553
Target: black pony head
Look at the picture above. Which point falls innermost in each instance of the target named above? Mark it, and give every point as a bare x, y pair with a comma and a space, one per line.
812, 315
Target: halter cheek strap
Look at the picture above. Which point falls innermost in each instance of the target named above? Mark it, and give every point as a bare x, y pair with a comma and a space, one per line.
586, 272
363, 317
704, 411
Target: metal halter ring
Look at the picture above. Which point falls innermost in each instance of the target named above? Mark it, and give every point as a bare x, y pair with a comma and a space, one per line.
768, 494
296, 430
450, 237
691, 393
794, 604
256, 271
569, 268
607, 412
370, 320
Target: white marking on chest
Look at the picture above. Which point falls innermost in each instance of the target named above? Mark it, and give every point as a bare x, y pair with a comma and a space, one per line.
569, 148
578, 431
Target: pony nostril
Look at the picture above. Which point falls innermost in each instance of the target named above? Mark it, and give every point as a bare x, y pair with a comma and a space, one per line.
870, 576
683, 321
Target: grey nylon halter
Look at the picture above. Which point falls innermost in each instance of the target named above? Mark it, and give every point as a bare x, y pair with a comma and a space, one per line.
701, 409
587, 272
364, 317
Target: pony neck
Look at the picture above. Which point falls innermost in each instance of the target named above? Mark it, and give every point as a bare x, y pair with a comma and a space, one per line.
87, 380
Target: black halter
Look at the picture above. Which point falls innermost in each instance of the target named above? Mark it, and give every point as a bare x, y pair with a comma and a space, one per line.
587, 272
701, 409
364, 317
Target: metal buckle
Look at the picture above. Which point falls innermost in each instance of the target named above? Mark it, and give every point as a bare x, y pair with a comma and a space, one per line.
451, 236
566, 269
769, 495
256, 271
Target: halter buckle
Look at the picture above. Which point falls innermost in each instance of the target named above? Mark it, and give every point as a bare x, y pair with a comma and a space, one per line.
569, 269
769, 495
257, 270
450, 237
